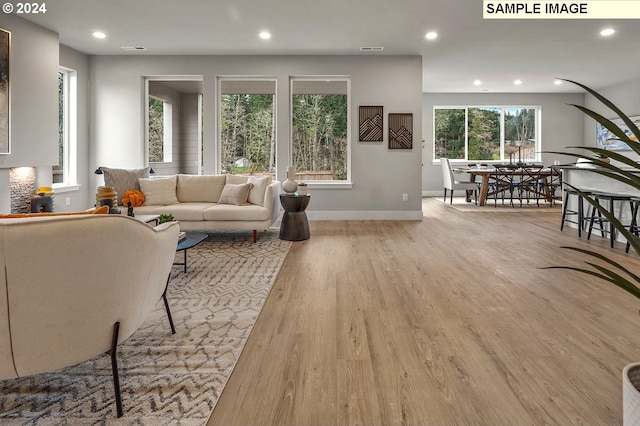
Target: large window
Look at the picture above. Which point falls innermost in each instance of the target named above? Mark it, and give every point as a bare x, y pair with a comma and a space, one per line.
160, 130
65, 172
320, 129
491, 133
247, 126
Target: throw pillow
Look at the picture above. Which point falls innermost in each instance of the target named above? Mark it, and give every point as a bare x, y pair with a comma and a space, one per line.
200, 188
99, 210
135, 197
235, 194
123, 180
160, 191
260, 184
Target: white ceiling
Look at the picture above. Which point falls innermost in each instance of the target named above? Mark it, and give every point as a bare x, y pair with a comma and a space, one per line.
468, 47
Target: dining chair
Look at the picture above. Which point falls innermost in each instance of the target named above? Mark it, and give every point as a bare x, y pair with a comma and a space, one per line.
552, 183
450, 183
507, 179
532, 183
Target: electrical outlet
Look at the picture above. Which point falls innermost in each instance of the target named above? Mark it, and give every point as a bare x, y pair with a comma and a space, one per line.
68, 201
405, 197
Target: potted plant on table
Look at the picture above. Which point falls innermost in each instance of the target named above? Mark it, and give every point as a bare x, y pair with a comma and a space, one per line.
164, 217
599, 265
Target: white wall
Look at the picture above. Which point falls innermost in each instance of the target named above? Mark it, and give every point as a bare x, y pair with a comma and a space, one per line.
34, 101
83, 197
380, 176
190, 133
625, 96
562, 125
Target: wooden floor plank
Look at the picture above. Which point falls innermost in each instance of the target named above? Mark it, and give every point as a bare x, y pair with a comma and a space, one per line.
448, 320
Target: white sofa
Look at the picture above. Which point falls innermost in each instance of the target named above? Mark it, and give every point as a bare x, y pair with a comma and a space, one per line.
201, 202
66, 281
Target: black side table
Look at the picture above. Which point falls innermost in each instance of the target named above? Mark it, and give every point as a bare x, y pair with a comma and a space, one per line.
294, 226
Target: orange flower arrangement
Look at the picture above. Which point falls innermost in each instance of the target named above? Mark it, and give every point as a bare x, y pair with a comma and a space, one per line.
135, 197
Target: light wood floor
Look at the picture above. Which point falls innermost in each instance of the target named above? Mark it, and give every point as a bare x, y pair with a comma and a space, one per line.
444, 321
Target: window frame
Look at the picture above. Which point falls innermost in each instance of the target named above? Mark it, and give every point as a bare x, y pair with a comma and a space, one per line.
328, 184
502, 107
70, 132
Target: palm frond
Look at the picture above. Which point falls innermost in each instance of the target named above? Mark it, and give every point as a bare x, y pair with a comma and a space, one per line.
609, 270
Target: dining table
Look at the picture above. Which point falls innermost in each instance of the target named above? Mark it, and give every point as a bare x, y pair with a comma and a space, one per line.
490, 172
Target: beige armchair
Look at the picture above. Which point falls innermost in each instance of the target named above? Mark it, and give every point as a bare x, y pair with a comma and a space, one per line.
73, 287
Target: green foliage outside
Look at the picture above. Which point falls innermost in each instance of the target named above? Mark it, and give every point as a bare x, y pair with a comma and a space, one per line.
484, 134
449, 133
247, 133
483, 130
59, 168
156, 130
319, 134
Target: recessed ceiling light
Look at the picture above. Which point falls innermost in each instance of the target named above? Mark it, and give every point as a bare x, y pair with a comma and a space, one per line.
477, 82
265, 35
517, 82
99, 34
431, 35
607, 32
557, 82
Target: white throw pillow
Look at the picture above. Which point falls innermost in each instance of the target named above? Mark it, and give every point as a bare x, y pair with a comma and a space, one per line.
260, 184
123, 180
160, 191
235, 194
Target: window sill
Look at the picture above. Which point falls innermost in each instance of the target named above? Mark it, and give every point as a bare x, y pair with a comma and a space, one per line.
59, 187
329, 185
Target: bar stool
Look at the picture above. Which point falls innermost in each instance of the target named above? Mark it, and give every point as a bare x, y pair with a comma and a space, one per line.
610, 198
582, 219
634, 228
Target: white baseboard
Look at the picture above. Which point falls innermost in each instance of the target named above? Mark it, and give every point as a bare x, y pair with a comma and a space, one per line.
364, 215
433, 193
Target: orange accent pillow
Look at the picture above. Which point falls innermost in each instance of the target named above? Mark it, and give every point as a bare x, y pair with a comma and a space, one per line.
100, 210
135, 197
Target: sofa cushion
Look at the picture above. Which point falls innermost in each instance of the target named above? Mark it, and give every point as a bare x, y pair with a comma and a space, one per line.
250, 213
235, 194
200, 188
123, 180
260, 183
159, 191
193, 212
237, 179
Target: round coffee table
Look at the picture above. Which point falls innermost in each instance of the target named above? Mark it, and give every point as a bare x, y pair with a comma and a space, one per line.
191, 240
294, 226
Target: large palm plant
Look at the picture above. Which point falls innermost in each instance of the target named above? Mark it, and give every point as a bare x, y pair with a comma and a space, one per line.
627, 172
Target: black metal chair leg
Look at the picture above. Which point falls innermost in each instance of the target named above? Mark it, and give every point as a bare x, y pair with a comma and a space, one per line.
166, 305
114, 368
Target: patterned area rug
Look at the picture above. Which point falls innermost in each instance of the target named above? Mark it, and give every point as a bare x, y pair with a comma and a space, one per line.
461, 204
165, 378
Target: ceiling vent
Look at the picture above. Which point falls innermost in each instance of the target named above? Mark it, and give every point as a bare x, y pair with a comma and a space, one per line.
371, 49
133, 48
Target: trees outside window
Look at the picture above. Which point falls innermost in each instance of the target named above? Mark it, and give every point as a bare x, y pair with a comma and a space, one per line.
65, 172
247, 126
486, 133
320, 129
160, 130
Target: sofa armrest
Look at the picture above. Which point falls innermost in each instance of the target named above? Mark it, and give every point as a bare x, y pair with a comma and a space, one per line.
272, 199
